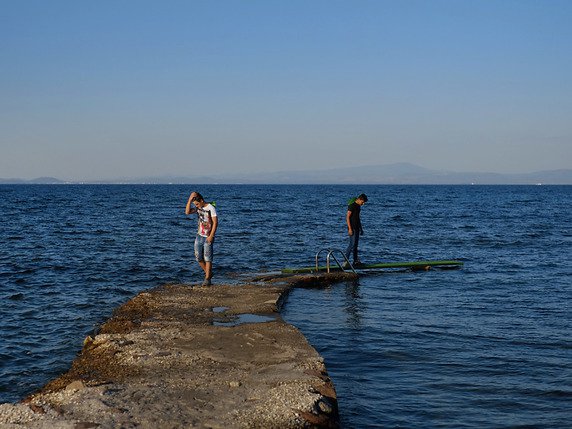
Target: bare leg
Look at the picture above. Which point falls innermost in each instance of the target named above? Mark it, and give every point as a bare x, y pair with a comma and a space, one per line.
203, 265
207, 268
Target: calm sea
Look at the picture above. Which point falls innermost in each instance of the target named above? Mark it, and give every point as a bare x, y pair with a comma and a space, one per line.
484, 346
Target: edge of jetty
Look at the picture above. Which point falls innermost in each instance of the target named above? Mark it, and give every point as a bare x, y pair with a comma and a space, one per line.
181, 356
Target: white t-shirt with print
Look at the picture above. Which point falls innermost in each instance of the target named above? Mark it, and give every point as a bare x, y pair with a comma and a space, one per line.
205, 215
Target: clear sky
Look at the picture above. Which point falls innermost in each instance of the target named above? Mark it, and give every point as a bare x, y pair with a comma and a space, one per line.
128, 88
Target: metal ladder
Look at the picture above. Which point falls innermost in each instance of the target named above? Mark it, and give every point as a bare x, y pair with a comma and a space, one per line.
331, 254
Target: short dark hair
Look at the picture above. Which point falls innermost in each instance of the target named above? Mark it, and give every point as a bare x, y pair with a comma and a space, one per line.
198, 197
362, 197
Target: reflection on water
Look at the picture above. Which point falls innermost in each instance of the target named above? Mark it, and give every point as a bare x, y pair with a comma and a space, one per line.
353, 304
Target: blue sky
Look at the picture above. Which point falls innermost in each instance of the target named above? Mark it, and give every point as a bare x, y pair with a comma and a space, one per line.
110, 89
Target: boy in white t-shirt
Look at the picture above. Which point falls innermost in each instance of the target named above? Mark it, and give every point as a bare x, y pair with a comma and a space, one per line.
204, 241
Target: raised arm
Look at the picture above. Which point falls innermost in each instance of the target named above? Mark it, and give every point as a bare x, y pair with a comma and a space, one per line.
190, 209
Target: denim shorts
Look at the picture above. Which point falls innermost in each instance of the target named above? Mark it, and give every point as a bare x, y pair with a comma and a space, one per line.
203, 249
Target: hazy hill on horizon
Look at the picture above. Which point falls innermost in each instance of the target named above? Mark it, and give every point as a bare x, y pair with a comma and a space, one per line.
399, 173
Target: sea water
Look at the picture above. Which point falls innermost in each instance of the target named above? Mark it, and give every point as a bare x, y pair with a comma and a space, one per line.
487, 345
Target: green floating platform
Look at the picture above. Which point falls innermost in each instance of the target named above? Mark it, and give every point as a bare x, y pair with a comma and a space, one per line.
415, 265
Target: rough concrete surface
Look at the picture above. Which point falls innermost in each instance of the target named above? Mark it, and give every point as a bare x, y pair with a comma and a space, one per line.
179, 356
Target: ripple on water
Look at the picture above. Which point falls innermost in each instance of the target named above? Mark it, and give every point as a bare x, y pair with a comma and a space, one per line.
485, 346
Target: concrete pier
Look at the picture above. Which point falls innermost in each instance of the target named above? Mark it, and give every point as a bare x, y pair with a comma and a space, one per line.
182, 356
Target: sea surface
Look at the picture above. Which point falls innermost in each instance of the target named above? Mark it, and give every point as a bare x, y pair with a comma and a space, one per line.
485, 346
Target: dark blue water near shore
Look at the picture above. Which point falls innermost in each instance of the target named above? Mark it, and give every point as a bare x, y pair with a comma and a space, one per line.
485, 346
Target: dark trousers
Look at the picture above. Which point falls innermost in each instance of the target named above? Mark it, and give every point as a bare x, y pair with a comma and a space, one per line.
353, 246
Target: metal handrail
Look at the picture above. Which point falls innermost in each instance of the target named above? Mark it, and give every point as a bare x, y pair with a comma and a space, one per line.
331, 254
317, 255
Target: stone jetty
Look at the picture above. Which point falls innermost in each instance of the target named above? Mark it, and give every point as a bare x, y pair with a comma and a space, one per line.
182, 356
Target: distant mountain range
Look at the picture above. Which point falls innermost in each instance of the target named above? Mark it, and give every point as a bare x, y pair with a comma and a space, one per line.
39, 181
401, 173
